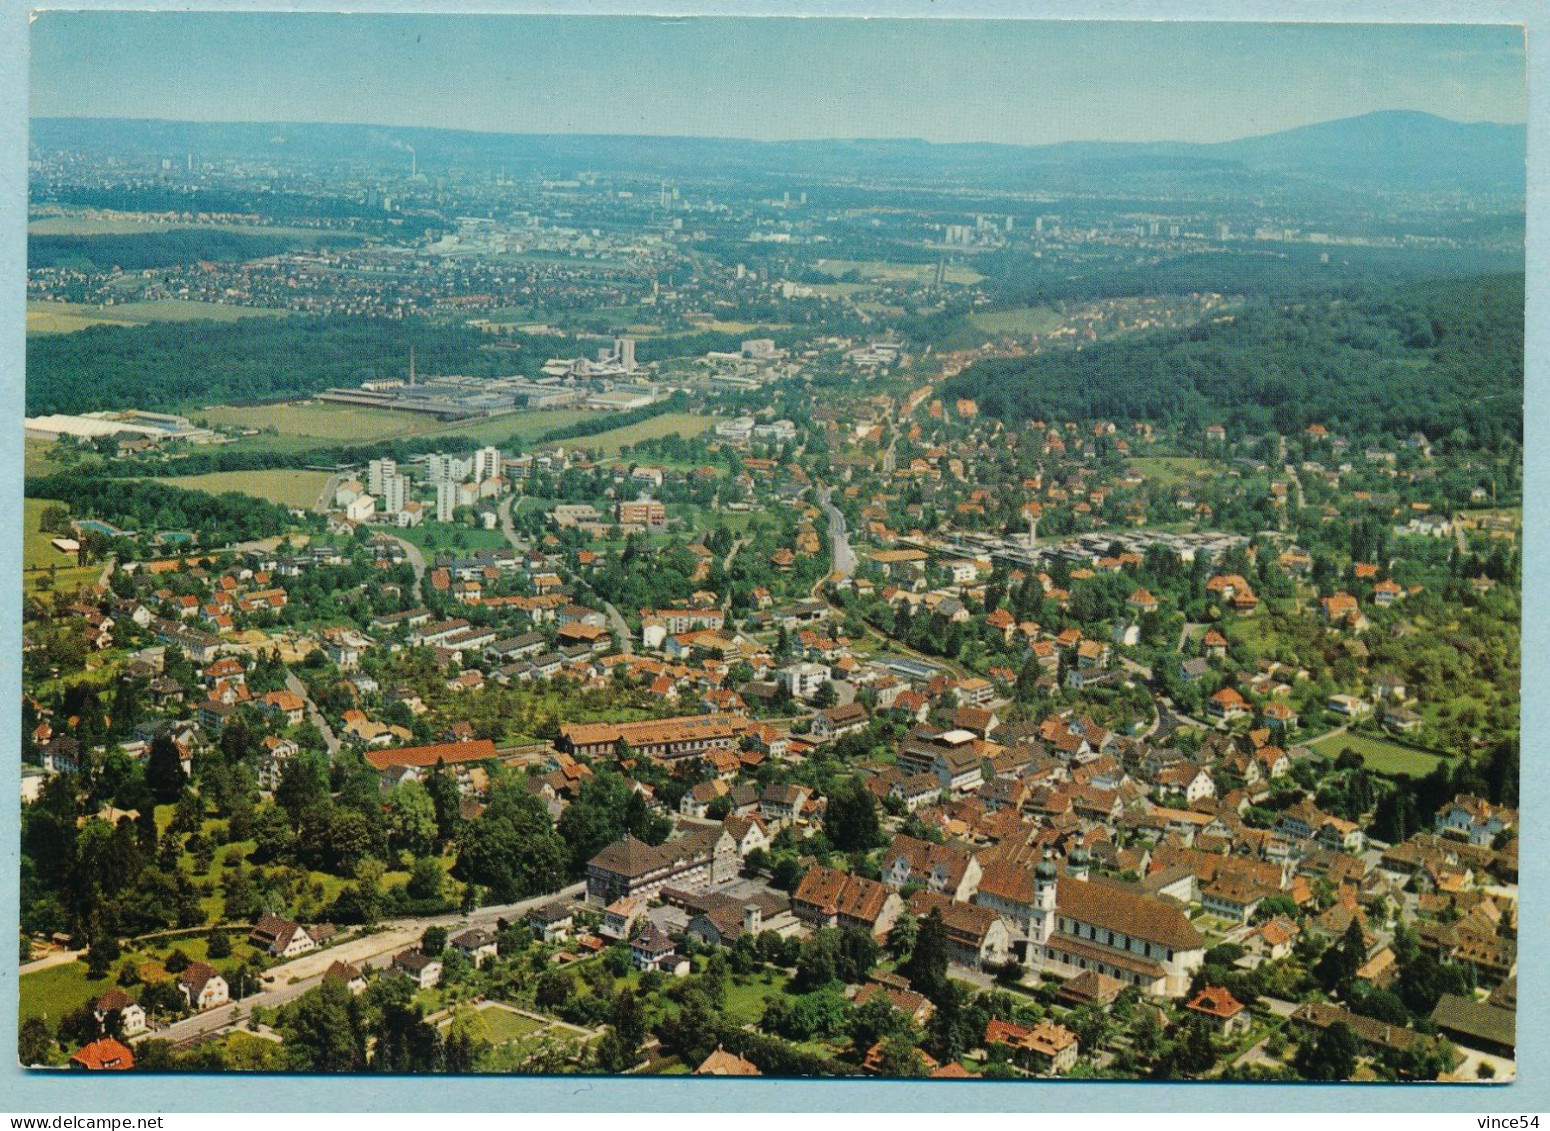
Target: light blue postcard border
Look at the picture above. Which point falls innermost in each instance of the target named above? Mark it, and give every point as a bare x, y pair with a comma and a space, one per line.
22, 1092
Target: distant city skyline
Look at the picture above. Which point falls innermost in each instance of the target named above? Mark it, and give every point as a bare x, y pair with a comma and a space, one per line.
1013, 82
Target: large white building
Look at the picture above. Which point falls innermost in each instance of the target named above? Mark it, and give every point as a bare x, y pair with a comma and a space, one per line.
1076, 925
377, 471
395, 493
361, 508
446, 500
452, 469
487, 464
804, 679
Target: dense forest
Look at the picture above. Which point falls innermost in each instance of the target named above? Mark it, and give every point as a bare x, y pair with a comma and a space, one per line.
143, 250
184, 365
1256, 271
229, 517
1426, 357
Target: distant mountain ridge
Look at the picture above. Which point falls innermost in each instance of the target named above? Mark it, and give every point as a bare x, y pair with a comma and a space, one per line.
1384, 151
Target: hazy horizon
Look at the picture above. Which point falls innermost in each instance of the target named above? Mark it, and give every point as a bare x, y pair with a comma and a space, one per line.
1020, 83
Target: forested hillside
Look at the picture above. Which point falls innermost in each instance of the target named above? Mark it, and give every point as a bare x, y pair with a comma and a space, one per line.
1427, 357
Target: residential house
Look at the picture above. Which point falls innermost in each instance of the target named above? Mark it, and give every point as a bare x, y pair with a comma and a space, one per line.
203, 987
280, 938
947, 869
422, 969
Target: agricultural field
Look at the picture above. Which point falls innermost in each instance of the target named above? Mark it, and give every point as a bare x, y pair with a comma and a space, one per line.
877, 270
316, 420
1381, 755
608, 443
525, 426
129, 224
1025, 320
289, 488
67, 317
294, 426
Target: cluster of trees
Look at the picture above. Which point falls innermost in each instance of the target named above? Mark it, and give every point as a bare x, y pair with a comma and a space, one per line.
228, 517
1376, 361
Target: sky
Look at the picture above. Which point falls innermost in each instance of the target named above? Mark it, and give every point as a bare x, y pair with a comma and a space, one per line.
1009, 81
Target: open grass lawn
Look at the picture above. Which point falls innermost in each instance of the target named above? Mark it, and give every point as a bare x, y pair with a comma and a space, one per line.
54, 992
1023, 320
67, 317
1252, 632
42, 565
1168, 471
37, 549
746, 1003
608, 443
288, 487
434, 537
1381, 756
37, 458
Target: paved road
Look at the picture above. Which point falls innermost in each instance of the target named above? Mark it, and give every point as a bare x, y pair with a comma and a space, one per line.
416, 562
839, 536
509, 528
314, 716
616, 620
325, 501
1134, 668
58, 958
290, 980
737, 544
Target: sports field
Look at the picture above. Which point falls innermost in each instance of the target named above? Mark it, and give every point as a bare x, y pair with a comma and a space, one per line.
1380, 755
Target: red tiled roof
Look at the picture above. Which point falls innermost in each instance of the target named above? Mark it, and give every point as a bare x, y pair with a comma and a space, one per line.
106, 1053
479, 750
